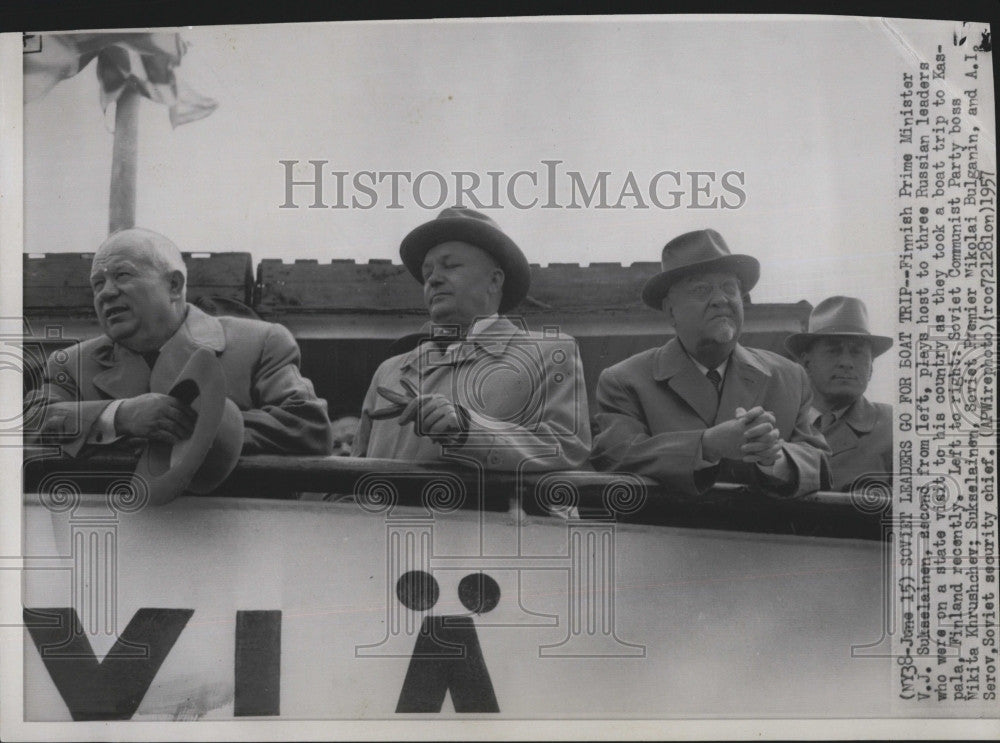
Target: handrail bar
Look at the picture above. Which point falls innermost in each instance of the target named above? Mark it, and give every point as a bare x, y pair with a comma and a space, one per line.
333, 473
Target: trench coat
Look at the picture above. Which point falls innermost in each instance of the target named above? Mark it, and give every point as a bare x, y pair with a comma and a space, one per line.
523, 395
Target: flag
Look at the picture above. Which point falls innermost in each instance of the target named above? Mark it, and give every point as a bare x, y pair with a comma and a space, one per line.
146, 61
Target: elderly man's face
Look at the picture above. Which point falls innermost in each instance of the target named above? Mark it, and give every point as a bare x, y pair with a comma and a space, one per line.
136, 299
706, 309
461, 282
839, 369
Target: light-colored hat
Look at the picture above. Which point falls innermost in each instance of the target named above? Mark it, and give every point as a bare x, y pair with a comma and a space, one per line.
467, 225
201, 462
697, 252
838, 317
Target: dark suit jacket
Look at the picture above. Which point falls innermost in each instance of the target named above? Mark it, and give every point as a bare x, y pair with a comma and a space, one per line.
861, 442
654, 407
281, 413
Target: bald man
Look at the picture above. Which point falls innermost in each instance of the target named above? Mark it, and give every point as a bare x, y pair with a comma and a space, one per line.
97, 394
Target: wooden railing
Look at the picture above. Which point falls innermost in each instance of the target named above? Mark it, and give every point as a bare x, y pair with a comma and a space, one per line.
378, 485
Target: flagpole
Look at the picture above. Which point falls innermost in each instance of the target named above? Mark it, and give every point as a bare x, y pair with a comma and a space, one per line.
123, 161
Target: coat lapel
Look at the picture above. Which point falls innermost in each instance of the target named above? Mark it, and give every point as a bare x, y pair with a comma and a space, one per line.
846, 433
744, 385
198, 330
125, 373
492, 340
675, 367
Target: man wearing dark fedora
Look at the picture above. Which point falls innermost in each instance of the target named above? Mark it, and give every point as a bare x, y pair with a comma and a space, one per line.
480, 386
703, 408
113, 390
837, 353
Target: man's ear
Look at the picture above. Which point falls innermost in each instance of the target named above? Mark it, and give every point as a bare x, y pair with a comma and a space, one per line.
668, 310
496, 281
176, 282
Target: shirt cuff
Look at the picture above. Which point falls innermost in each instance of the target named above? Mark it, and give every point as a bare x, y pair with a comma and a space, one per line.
700, 463
780, 470
103, 430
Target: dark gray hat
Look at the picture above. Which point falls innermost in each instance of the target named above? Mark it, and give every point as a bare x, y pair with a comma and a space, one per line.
467, 225
697, 252
838, 317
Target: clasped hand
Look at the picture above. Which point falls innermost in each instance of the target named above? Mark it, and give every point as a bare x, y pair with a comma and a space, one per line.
751, 437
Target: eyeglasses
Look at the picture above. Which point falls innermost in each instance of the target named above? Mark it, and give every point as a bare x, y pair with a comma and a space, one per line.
702, 290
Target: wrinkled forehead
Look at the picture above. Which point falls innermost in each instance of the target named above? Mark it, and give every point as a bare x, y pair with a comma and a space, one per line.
136, 253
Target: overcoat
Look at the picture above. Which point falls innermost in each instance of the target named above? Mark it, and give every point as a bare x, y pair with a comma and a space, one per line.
655, 406
523, 393
861, 444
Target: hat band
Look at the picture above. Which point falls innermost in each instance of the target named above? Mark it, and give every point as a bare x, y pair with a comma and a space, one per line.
840, 330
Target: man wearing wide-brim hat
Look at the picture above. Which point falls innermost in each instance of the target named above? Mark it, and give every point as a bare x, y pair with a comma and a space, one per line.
480, 386
704, 409
837, 353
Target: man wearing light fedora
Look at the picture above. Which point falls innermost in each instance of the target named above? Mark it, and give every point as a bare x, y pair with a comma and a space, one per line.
480, 387
837, 353
703, 408
113, 390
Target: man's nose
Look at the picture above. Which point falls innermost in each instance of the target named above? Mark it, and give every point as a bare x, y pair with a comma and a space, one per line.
433, 278
108, 289
845, 359
719, 297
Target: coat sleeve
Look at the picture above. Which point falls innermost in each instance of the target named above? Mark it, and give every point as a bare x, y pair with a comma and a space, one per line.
54, 413
555, 436
806, 449
624, 442
287, 417
885, 439
359, 447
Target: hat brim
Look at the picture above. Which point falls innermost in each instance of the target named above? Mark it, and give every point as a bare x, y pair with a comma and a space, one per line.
223, 454
746, 268
203, 460
517, 272
797, 343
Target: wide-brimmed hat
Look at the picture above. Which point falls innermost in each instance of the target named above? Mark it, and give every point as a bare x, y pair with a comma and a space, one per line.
701, 251
467, 225
838, 317
201, 462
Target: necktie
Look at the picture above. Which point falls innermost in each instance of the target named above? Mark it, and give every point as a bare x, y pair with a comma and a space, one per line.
716, 379
824, 421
